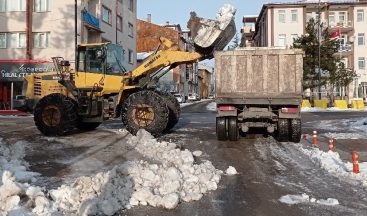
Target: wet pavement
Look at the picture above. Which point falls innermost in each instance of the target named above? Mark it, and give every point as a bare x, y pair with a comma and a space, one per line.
267, 169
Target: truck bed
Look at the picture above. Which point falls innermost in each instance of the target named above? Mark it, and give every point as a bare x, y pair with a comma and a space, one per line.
259, 76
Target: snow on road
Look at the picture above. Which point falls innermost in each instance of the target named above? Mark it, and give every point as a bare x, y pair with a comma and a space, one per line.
168, 176
304, 198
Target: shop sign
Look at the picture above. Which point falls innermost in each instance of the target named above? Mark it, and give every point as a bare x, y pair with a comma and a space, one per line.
14, 72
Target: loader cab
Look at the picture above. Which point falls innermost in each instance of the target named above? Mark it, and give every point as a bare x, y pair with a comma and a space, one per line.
100, 59
101, 64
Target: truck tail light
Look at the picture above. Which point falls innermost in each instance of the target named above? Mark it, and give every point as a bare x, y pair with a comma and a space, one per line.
290, 110
227, 108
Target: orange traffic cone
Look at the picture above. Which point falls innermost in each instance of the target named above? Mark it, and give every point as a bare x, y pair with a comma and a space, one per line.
355, 162
314, 143
331, 144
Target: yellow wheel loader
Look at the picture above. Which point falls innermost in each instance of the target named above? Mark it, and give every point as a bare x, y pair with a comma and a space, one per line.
101, 89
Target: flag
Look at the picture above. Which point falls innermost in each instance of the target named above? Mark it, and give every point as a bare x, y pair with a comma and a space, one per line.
336, 34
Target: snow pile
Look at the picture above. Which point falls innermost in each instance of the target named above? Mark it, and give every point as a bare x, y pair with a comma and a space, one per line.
330, 109
231, 171
332, 163
14, 185
225, 15
344, 135
304, 198
212, 106
172, 178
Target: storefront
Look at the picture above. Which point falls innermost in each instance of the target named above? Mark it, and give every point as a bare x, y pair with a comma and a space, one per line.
12, 73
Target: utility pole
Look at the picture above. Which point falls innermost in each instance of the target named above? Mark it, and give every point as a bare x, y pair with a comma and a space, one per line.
319, 43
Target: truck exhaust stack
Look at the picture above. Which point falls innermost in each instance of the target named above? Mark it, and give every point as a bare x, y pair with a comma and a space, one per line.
213, 35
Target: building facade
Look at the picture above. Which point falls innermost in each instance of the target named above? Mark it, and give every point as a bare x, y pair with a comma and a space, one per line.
205, 73
182, 79
33, 31
279, 24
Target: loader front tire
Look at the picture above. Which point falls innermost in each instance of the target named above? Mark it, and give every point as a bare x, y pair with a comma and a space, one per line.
145, 110
174, 109
55, 115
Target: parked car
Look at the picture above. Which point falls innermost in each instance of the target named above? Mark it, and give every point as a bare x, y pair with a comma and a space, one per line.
180, 98
192, 97
211, 97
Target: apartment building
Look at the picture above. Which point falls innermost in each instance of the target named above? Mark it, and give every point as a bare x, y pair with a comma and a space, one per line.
280, 23
33, 31
183, 78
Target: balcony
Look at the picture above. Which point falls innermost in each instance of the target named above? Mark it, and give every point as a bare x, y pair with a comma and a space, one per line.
343, 26
345, 48
91, 22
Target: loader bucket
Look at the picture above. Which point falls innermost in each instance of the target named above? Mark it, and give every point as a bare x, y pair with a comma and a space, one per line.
213, 35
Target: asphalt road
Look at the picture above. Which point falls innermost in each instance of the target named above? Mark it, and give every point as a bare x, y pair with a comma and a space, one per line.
267, 169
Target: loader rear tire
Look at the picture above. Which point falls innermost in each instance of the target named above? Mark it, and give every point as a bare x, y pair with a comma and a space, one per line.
55, 115
145, 110
233, 131
222, 128
283, 130
295, 129
88, 126
174, 109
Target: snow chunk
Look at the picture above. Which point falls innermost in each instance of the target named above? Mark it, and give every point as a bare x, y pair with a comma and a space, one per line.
294, 199
231, 171
329, 202
304, 198
197, 153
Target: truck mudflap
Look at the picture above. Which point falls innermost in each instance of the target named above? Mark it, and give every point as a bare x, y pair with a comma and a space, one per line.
213, 35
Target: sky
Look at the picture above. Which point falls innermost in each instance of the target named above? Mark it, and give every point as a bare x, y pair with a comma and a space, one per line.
178, 11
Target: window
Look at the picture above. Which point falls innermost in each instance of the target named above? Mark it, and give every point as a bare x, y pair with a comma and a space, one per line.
17, 40
294, 37
131, 56
282, 40
131, 30
281, 14
40, 40
361, 63
332, 18
2, 40
309, 16
294, 15
360, 15
361, 39
106, 15
12, 5
342, 17
131, 5
41, 5
119, 23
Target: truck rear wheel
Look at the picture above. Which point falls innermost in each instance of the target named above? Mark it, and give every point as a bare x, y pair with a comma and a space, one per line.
174, 109
87, 126
221, 127
55, 115
295, 130
145, 110
283, 130
233, 131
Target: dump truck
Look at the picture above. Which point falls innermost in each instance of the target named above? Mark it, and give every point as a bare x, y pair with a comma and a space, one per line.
100, 89
259, 88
